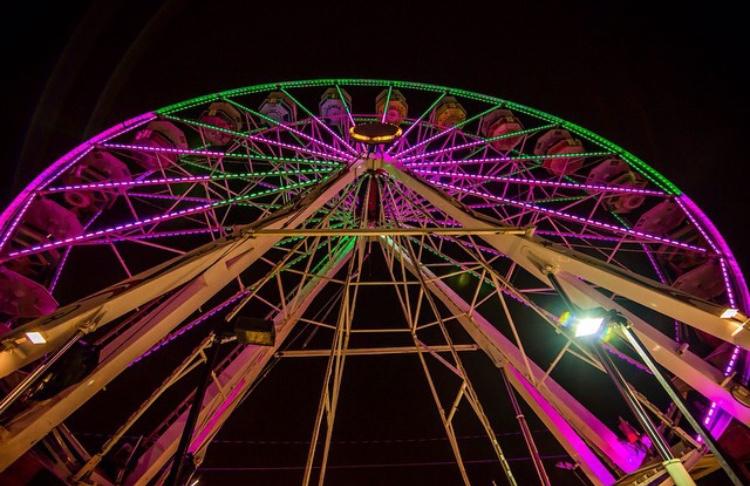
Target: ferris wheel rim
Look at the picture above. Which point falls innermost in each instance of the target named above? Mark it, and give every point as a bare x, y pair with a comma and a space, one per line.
25, 196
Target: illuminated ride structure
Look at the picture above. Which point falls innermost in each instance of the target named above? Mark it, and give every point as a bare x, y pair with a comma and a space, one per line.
478, 220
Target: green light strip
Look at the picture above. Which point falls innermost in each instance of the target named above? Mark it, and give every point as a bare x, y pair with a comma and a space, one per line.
647, 171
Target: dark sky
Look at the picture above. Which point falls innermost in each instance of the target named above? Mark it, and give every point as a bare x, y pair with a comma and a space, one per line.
669, 85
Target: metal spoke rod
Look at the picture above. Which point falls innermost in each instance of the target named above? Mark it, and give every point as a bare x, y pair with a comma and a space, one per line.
726, 463
674, 466
24, 385
178, 462
391, 231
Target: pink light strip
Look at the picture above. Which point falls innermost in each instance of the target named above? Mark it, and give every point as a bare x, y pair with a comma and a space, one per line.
213, 153
534, 182
212, 421
192, 324
494, 160
571, 217
695, 214
297, 148
16, 209
142, 222
309, 139
425, 142
136, 183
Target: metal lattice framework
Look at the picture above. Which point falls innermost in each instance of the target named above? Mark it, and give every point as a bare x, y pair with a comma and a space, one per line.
257, 200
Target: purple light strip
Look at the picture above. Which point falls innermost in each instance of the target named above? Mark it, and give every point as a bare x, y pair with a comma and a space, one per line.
213, 153
169, 234
709, 240
297, 148
416, 122
695, 214
142, 222
445, 150
169, 197
308, 138
571, 217
424, 142
535, 182
472, 144
166, 150
136, 183
20, 203
494, 160
192, 324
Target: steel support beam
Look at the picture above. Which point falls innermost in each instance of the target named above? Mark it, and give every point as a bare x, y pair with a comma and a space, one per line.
227, 261
481, 230
569, 421
538, 257
699, 375
236, 378
103, 307
381, 351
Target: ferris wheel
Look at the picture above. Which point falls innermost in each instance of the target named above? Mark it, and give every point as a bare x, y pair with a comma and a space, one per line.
219, 235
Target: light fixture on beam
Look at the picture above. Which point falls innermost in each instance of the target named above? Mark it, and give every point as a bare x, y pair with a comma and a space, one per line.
729, 313
252, 330
36, 337
590, 322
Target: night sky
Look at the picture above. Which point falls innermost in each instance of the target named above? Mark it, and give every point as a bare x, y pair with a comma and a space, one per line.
670, 86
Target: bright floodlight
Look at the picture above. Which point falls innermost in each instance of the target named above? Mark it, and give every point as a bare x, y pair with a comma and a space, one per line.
586, 326
35, 337
729, 313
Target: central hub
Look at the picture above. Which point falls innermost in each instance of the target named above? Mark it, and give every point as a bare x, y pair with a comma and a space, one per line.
375, 133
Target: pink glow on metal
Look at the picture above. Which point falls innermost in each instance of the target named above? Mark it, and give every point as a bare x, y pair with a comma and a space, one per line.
136, 183
169, 197
445, 150
572, 217
535, 182
424, 142
21, 202
297, 148
112, 229
287, 126
195, 322
583, 453
495, 160
164, 150
211, 423
706, 227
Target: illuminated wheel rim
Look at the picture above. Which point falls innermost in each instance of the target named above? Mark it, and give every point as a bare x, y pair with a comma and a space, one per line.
242, 157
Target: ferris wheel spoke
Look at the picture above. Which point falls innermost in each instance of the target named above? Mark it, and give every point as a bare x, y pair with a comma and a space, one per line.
705, 316
286, 127
543, 183
697, 373
476, 143
418, 122
320, 123
553, 213
546, 399
447, 131
136, 224
238, 375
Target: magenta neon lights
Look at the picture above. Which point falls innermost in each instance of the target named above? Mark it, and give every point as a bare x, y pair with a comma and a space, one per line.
543, 183
571, 217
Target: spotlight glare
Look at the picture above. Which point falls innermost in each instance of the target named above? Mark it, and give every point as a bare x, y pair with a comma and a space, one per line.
587, 326
729, 313
35, 337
